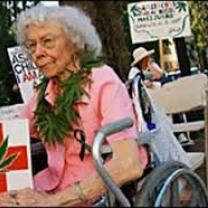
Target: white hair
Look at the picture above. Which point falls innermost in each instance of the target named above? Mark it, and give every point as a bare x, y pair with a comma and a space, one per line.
76, 24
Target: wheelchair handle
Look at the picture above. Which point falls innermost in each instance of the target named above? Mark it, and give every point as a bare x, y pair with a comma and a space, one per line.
107, 130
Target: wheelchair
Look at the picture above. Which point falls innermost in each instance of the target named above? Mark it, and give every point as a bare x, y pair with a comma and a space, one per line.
167, 184
170, 184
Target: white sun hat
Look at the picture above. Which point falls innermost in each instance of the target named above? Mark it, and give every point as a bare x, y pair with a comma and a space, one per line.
140, 53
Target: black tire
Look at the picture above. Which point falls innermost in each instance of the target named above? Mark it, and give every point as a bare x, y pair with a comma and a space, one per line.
155, 181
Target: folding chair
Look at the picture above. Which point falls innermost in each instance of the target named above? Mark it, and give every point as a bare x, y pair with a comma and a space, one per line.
186, 94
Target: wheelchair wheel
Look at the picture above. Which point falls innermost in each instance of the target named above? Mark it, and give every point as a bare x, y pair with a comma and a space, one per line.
172, 185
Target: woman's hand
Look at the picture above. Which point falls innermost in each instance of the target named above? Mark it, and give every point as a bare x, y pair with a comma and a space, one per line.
7, 200
148, 83
125, 158
26, 197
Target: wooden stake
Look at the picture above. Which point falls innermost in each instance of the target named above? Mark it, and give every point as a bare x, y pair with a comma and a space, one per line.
161, 53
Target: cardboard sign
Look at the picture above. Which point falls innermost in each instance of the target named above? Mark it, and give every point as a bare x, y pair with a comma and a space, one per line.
26, 73
18, 173
11, 111
153, 20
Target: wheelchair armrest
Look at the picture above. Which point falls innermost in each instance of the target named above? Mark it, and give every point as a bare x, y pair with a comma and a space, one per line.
96, 150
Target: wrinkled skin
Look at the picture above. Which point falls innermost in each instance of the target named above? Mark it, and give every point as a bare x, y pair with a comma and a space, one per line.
26, 197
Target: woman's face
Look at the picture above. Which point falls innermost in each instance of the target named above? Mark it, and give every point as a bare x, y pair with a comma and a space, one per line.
144, 62
49, 48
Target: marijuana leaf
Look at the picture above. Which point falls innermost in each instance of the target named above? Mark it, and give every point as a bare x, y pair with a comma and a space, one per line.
135, 10
3, 148
55, 122
181, 5
6, 161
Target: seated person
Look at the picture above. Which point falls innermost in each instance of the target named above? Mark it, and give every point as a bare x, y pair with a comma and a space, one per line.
145, 65
79, 92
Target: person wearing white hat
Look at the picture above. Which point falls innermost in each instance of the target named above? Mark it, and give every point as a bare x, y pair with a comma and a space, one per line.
144, 64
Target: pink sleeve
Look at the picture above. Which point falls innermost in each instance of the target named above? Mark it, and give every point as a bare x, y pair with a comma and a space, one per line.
116, 104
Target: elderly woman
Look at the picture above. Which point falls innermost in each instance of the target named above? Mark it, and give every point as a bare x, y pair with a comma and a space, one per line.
78, 95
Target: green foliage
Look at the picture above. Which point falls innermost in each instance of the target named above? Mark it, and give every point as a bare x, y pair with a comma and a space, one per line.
126, 26
54, 122
90, 59
6, 40
8, 12
199, 22
6, 161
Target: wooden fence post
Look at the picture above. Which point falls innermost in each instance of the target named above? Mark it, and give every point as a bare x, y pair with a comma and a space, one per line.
161, 53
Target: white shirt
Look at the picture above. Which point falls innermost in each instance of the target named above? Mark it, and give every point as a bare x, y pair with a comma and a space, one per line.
132, 73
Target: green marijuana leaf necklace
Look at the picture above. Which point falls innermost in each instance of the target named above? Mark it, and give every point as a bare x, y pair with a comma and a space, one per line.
55, 122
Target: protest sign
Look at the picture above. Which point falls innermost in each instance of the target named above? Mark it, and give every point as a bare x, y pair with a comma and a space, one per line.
11, 111
154, 20
16, 173
26, 73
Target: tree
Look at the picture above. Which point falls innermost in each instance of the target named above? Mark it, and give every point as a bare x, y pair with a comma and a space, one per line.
199, 25
6, 40
109, 19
